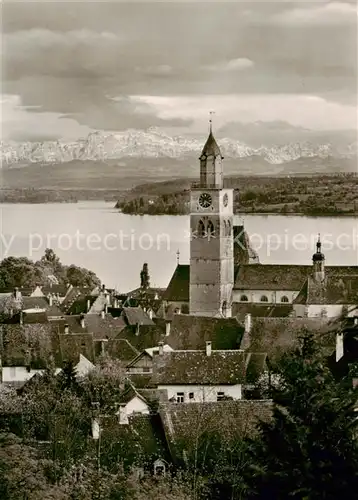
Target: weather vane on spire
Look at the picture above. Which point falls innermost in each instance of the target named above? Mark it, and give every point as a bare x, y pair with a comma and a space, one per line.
178, 256
211, 113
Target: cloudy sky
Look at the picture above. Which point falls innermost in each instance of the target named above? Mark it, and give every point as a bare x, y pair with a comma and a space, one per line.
268, 69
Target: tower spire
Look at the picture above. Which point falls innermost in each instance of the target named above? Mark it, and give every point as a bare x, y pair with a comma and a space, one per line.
319, 244
178, 256
211, 113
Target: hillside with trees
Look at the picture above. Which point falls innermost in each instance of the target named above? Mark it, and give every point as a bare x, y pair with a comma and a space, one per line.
309, 195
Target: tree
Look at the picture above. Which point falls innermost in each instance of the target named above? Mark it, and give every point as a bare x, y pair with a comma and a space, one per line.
22, 474
79, 276
309, 449
22, 272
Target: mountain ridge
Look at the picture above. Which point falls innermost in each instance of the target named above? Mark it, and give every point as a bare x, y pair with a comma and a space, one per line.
153, 143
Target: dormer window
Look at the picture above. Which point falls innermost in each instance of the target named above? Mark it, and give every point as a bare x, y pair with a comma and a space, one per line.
264, 298
159, 467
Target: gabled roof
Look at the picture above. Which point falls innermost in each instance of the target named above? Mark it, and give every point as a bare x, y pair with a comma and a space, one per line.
192, 332
121, 349
136, 316
129, 394
140, 442
77, 298
61, 290
34, 302
178, 288
195, 367
104, 328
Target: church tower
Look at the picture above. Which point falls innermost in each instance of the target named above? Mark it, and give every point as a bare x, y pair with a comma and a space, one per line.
211, 244
318, 260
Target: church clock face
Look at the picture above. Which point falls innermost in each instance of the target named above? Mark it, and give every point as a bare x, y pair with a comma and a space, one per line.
205, 200
225, 200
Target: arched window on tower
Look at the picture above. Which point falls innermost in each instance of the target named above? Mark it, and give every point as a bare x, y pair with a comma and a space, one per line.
244, 298
224, 309
284, 299
263, 298
228, 228
211, 229
201, 229
225, 228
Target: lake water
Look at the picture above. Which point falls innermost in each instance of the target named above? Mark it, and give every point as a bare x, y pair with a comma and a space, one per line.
115, 246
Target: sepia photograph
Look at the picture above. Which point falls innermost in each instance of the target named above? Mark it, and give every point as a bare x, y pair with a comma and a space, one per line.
179, 250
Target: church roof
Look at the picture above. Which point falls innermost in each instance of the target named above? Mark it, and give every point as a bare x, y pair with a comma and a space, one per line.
211, 147
340, 289
255, 277
178, 288
281, 277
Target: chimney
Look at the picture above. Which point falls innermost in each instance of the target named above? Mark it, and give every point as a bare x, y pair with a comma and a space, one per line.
106, 308
21, 318
108, 298
161, 348
50, 301
102, 314
137, 329
103, 288
150, 314
82, 321
339, 346
167, 328
208, 348
67, 329
88, 305
247, 323
17, 294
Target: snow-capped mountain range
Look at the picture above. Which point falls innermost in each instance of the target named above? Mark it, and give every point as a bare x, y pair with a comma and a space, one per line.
153, 143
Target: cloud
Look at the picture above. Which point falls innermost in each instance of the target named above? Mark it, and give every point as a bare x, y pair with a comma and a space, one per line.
233, 65
281, 132
44, 52
20, 123
311, 112
333, 13
77, 115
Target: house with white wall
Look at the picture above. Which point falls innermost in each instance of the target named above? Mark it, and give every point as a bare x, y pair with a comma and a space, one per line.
200, 375
131, 403
18, 375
